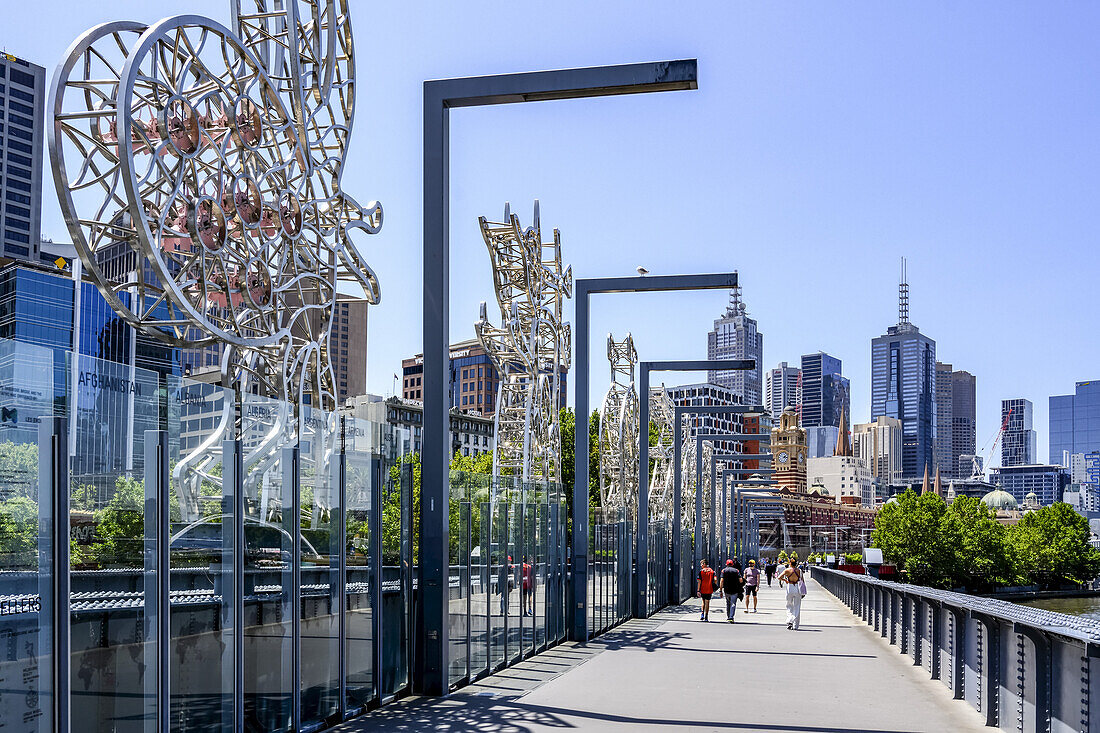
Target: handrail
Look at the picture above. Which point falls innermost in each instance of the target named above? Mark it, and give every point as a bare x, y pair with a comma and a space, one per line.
1052, 622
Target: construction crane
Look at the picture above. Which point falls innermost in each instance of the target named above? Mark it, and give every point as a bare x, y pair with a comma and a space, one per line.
977, 473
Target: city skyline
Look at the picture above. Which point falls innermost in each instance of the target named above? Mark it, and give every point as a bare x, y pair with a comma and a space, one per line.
881, 146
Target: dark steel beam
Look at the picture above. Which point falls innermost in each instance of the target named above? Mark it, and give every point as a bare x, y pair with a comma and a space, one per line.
440, 96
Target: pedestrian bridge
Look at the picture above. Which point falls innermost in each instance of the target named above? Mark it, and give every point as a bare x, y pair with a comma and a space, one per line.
672, 672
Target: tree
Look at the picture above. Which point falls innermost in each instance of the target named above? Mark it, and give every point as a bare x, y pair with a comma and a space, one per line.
568, 425
1052, 545
983, 557
909, 532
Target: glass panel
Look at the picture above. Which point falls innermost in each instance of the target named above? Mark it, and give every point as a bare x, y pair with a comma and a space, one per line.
361, 467
26, 394
480, 592
200, 417
269, 492
320, 573
515, 553
112, 405
396, 575
501, 582
458, 581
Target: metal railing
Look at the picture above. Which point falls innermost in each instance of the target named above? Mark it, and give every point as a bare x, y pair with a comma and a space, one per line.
1024, 669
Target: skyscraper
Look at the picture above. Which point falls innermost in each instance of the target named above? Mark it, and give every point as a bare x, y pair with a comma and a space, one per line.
1075, 421
903, 386
22, 94
944, 459
963, 421
782, 388
825, 393
1018, 441
878, 443
955, 434
735, 337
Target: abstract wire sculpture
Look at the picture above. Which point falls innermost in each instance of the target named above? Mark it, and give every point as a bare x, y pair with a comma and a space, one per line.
618, 440
661, 413
199, 172
530, 349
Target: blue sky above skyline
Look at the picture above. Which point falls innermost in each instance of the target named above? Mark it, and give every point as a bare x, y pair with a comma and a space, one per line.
824, 143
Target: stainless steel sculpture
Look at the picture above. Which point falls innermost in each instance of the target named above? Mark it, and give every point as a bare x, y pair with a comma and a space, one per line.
530, 349
661, 412
199, 172
619, 430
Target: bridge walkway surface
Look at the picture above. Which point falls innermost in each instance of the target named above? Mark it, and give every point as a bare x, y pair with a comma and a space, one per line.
672, 672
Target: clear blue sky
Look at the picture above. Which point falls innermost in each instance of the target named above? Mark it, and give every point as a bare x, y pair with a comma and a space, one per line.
825, 141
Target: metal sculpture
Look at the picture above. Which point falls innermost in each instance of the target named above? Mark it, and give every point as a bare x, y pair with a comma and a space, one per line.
661, 413
199, 172
530, 349
618, 439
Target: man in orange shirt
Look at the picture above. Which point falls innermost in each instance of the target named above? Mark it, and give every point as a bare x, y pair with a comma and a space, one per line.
706, 588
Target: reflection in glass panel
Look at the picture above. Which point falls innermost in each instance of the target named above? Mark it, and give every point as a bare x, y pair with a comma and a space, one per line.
269, 491
320, 574
26, 390
201, 556
360, 471
111, 406
501, 583
396, 574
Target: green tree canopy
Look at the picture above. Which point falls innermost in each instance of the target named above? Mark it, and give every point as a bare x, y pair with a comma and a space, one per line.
1052, 546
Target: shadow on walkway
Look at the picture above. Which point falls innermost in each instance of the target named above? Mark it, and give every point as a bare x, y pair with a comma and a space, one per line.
484, 713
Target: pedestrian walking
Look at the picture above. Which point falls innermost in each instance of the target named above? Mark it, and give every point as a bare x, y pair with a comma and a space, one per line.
706, 588
732, 588
525, 588
752, 584
796, 588
769, 570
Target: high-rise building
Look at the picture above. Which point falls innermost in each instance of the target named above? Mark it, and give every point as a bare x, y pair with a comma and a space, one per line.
782, 388
700, 395
945, 461
821, 440
348, 347
903, 386
735, 336
23, 96
1018, 440
1047, 482
955, 423
878, 443
1075, 421
963, 418
825, 393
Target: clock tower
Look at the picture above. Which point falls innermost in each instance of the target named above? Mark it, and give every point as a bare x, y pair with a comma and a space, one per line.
789, 452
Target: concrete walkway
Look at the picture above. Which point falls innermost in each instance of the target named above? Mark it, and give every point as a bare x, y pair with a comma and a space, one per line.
674, 673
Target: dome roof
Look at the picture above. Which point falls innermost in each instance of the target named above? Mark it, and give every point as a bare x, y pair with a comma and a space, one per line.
1031, 495
1000, 500
892, 500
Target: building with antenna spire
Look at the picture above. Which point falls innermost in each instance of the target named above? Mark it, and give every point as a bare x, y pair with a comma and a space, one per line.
735, 336
903, 386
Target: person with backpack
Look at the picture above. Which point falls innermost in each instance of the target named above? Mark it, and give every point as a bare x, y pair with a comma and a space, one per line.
796, 589
732, 587
752, 584
706, 588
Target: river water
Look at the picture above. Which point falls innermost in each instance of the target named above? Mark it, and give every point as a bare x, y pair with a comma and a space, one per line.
1085, 607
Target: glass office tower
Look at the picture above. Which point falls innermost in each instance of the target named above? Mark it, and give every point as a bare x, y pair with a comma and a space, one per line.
1075, 421
903, 386
824, 391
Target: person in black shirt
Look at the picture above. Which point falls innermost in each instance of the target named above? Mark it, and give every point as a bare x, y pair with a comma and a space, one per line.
769, 569
732, 586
